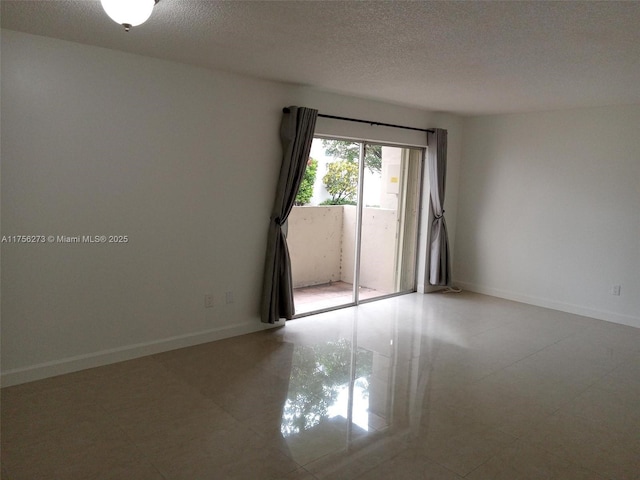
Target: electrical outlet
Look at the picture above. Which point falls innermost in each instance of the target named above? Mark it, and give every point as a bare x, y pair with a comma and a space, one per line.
615, 290
229, 297
208, 301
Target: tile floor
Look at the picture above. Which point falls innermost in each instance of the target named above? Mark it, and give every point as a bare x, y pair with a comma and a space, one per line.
436, 387
327, 295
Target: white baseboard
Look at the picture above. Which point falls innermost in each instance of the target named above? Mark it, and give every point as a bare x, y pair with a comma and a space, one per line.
128, 352
426, 288
552, 304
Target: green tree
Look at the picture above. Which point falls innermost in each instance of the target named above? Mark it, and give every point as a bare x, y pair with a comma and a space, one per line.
341, 181
306, 187
350, 151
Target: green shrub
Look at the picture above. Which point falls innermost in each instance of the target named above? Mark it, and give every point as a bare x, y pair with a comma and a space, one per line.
338, 202
306, 187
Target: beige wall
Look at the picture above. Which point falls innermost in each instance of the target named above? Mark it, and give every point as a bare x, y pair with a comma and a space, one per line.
322, 244
348, 243
315, 242
377, 258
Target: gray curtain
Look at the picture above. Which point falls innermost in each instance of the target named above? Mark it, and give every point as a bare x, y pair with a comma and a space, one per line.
296, 135
439, 261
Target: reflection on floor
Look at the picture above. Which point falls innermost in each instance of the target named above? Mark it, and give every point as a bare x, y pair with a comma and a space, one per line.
436, 387
327, 295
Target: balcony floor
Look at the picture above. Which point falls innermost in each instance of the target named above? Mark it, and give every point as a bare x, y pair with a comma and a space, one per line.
327, 295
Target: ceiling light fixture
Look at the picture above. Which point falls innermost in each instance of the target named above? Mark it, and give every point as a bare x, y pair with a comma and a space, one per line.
129, 13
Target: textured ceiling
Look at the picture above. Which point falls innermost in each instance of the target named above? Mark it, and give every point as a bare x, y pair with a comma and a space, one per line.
468, 57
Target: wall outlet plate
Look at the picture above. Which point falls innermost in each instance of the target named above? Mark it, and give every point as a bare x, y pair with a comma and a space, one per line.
208, 301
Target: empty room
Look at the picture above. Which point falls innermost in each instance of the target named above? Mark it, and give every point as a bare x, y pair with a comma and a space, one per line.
320, 240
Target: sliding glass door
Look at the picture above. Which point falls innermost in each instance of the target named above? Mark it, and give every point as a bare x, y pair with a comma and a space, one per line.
353, 234
389, 223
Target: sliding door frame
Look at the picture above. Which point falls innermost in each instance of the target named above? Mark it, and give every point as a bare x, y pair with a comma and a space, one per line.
421, 185
359, 212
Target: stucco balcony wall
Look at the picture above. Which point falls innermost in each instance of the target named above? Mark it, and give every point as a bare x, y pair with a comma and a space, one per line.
321, 244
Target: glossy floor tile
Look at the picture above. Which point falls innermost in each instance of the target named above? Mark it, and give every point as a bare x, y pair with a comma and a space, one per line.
440, 386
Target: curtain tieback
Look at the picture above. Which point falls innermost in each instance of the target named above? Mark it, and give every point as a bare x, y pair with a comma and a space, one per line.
277, 221
438, 217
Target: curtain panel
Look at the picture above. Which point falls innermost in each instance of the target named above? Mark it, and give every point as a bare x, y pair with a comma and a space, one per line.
296, 135
439, 257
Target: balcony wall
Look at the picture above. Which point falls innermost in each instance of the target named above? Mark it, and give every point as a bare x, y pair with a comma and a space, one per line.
377, 259
322, 243
315, 244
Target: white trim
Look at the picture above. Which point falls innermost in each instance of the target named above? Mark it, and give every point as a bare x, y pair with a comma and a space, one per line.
129, 352
552, 304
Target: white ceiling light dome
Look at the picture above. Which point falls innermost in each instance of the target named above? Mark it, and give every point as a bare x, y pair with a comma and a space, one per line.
129, 13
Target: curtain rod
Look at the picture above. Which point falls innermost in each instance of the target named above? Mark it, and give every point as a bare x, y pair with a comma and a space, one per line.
286, 110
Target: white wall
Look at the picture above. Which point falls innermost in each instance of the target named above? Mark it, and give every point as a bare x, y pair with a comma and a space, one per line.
182, 160
549, 210
97, 142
